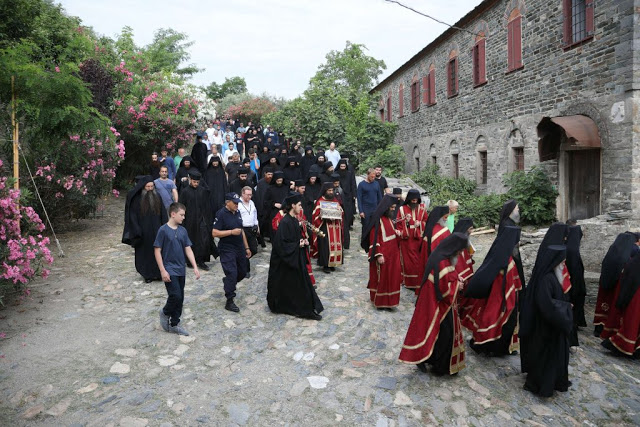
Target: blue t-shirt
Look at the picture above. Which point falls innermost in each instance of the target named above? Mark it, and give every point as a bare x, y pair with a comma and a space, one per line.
368, 196
163, 188
227, 220
173, 243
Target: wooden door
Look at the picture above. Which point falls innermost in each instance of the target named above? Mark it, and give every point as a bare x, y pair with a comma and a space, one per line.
584, 183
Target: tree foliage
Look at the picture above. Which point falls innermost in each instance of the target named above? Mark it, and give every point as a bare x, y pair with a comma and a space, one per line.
231, 86
168, 51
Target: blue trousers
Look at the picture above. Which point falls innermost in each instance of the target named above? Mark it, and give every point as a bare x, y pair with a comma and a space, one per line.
234, 266
175, 298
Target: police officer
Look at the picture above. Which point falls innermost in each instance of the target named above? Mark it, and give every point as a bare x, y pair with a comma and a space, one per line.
233, 247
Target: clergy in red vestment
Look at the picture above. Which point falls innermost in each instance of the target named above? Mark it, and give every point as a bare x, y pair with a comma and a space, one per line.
435, 231
492, 292
612, 265
435, 334
411, 220
380, 240
622, 329
329, 247
464, 267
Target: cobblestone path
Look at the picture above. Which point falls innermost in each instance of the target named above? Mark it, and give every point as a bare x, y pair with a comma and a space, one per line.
86, 348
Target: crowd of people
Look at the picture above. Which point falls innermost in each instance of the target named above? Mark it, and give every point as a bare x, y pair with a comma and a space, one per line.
265, 188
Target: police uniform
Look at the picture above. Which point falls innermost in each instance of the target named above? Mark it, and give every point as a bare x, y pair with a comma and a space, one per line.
233, 257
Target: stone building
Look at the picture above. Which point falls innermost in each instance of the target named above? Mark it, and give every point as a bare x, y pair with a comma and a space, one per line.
526, 82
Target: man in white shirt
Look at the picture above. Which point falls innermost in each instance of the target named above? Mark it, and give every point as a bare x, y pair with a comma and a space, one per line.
217, 139
332, 155
249, 222
209, 131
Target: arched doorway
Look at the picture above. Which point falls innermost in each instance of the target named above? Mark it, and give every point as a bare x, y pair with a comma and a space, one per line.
574, 141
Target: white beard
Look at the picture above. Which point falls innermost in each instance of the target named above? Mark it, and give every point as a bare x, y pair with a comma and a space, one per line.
557, 270
442, 222
515, 216
453, 260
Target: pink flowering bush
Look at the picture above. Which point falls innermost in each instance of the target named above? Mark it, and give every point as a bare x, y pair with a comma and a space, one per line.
23, 249
73, 181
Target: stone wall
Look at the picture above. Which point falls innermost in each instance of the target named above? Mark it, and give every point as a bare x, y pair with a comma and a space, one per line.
594, 79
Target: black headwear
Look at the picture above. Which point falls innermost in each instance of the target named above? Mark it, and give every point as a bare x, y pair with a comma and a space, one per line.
548, 260
556, 235
574, 260
629, 283
276, 175
342, 162
195, 174
243, 171
507, 208
435, 215
463, 225
187, 159
326, 166
335, 177
292, 198
131, 234
497, 259
214, 159
412, 194
615, 259
374, 222
446, 249
298, 183
397, 191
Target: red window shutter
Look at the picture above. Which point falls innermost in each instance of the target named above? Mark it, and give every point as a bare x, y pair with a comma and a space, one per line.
425, 90
482, 72
401, 101
517, 42
476, 63
510, 46
389, 108
566, 22
455, 81
432, 87
590, 24
449, 85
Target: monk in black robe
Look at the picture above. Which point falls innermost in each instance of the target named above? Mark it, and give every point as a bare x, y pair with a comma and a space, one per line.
182, 176
289, 287
145, 214
258, 200
347, 183
198, 219
510, 217
199, 154
311, 193
545, 324
291, 170
578, 290
215, 181
240, 182
307, 161
275, 194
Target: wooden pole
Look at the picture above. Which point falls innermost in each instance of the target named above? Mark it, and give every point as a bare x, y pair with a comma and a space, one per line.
14, 123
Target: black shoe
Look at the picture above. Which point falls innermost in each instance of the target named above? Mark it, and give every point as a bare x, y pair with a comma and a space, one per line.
203, 266
248, 275
263, 245
148, 280
231, 306
422, 367
332, 268
326, 270
314, 316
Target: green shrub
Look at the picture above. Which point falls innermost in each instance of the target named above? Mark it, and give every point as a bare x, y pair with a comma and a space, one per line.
533, 191
391, 158
535, 194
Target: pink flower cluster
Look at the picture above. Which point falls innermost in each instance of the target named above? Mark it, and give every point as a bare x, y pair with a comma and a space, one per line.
23, 249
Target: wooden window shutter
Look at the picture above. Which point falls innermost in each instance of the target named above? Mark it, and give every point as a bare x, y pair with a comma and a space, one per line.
590, 17
517, 42
510, 46
401, 101
455, 80
566, 22
389, 108
425, 90
432, 87
482, 71
449, 80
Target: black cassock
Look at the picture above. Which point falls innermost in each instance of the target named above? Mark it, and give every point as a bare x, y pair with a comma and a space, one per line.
198, 222
199, 155
216, 182
546, 323
289, 288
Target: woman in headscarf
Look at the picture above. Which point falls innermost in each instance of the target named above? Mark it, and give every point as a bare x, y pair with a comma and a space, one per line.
435, 334
545, 324
493, 296
619, 253
379, 240
145, 214
622, 329
216, 182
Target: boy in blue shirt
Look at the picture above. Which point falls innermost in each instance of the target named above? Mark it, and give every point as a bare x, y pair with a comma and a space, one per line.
171, 245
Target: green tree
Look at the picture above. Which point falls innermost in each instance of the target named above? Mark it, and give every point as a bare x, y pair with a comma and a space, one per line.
232, 86
168, 51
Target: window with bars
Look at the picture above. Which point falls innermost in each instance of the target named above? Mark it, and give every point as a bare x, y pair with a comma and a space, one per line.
452, 77
454, 166
415, 96
518, 159
479, 63
434, 160
482, 158
579, 21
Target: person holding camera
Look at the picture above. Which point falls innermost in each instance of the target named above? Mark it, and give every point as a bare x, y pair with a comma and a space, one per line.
249, 223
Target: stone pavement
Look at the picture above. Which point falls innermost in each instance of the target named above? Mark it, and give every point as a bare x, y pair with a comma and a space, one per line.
86, 348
